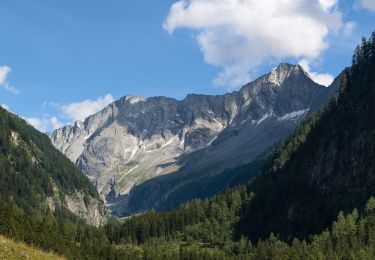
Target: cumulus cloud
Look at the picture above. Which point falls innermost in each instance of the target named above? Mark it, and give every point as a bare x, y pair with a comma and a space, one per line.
69, 113
367, 4
327, 4
4, 72
42, 124
239, 35
81, 110
55, 123
324, 79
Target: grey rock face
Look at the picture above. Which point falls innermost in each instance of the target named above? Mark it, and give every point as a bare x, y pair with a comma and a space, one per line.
135, 139
92, 210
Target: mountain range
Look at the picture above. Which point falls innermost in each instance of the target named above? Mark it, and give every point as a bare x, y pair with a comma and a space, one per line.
311, 196
158, 152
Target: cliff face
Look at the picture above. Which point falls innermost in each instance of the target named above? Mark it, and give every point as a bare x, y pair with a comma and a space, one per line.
131, 148
82, 205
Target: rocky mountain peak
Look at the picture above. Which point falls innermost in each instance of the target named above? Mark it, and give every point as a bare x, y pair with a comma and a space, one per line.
133, 99
79, 124
280, 74
135, 139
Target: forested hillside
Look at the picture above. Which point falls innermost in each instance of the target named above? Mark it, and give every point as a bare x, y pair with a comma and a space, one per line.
33, 174
198, 230
313, 199
327, 166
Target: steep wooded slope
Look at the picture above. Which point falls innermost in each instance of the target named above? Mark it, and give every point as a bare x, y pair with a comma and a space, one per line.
36, 176
327, 166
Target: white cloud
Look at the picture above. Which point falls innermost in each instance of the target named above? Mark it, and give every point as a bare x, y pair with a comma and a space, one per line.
55, 123
367, 4
327, 4
42, 124
81, 110
239, 35
4, 72
10, 88
349, 28
69, 113
324, 79
50, 104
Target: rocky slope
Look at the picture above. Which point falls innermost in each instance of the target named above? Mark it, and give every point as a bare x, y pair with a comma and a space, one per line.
144, 153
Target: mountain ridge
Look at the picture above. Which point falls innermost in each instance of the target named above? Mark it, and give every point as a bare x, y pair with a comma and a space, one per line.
135, 139
313, 196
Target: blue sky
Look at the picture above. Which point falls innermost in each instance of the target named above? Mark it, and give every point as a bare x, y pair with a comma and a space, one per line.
62, 60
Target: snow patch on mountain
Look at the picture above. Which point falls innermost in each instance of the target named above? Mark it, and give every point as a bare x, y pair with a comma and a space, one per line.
295, 115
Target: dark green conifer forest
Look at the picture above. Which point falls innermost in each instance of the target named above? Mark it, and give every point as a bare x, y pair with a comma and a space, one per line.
313, 199
30, 167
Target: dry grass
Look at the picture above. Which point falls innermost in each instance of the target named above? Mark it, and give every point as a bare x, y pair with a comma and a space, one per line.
10, 249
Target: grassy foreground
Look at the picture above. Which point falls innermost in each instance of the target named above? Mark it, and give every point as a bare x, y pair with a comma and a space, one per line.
10, 249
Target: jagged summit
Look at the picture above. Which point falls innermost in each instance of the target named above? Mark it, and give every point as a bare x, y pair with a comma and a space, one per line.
132, 99
79, 124
283, 72
287, 67
276, 76
136, 139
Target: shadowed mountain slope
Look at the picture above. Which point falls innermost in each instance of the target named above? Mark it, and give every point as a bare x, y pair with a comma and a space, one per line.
175, 143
